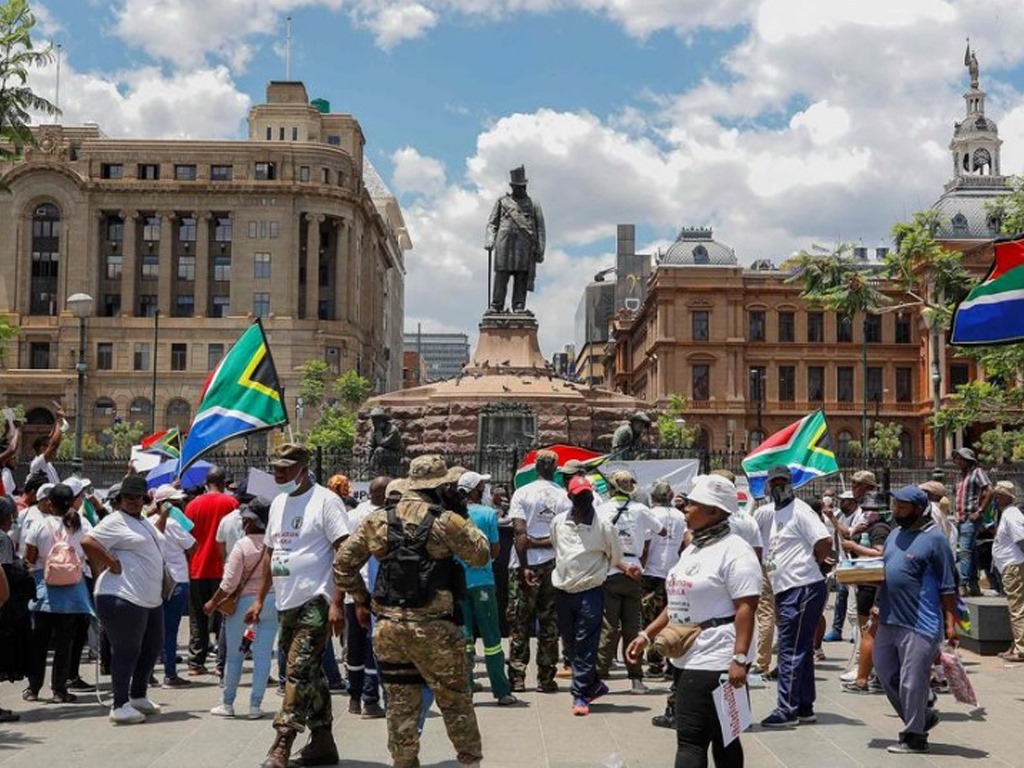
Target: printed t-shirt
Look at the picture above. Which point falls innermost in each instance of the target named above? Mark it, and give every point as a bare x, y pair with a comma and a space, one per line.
537, 503
174, 542
746, 527
663, 551
486, 519
26, 520
634, 523
701, 587
355, 519
918, 570
789, 556
1010, 530
135, 542
302, 531
206, 512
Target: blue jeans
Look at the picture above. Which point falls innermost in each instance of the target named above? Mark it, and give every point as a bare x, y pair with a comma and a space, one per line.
359, 660
799, 610
174, 608
967, 554
580, 615
839, 615
262, 647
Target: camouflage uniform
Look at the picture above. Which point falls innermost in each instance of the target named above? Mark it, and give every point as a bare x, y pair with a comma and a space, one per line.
417, 646
652, 604
307, 699
526, 603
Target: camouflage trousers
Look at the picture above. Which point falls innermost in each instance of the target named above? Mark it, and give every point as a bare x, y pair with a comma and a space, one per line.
652, 604
411, 654
526, 605
303, 634
621, 622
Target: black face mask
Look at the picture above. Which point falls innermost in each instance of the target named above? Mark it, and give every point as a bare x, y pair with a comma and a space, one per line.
908, 522
453, 501
781, 495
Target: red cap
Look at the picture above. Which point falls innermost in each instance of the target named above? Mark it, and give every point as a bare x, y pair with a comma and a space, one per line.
579, 484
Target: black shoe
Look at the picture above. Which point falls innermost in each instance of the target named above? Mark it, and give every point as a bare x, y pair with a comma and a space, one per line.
78, 684
931, 719
663, 721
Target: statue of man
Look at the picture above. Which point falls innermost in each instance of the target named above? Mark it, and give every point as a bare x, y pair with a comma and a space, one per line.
971, 62
385, 445
627, 441
515, 239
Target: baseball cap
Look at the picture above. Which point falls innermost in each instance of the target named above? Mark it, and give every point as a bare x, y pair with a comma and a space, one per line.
846, 496
715, 491
779, 471
470, 480
965, 453
167, 492
571, 467
44, 491
76, 484
289, 455
865, 477
578, 485
912, 494
257, 510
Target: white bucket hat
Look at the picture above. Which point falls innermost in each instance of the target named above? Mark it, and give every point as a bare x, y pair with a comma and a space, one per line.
715, 491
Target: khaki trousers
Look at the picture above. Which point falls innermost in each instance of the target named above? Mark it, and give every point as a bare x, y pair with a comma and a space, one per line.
765, 617
1013, 585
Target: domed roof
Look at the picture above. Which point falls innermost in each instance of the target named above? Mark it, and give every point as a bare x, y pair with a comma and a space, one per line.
975, 125
695, 246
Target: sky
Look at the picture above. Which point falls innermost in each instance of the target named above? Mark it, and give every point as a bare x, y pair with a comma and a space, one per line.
780, 123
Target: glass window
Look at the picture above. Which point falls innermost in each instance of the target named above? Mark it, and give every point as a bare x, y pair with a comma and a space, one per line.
187, 229
222, 268
873, 329
184, 305
111, 305
179, 414
815, 327
104, 408
147, 305
875, 384
816, 383
843, 442
701, 381
959, 374
844, 384
105, 356
295, 133
787, 327
274, 230
111, 171
214, 353
270, 133
220, 305
264, 172
184, 173
701, 325
222, 172
334, 140
140, 356
787, 383
222, 229
114, 264
141, 410
844, 328
39, 354
149, 171
904, 384
325, 175
757, 383
45, 260
151, 228
903, 329
150, 266
261, 304
186, 267
304, 173
115, 229
261, 266
179, 357
253, 230
756, 324
280, 133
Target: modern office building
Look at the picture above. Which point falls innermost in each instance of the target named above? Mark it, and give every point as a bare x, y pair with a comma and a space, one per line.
441, 355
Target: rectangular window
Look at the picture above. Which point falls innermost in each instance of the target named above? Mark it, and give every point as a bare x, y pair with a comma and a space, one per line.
111, 171
325, 175
875, 384
815, 327
758, 374
274, 229
261, 266
187, 268
115, 229
787, 383
873, 329
701, 321
959, 374
303, 173
111, 304
903, 329
105, 356
222, 268
114, 266
39, 354
334, 140
140, 356
184, 173
787, 327
904, 385
220, 305
222, 230
265, 172
844, 328
341, 179
261, 304
280, 133
214, 353
149, 172
222, 172
253, 230
270, 133
295, 133
151, 228
755, 325
179, 357
701, 382
187, 229
816, 383
147, 305
150, 266
844, 384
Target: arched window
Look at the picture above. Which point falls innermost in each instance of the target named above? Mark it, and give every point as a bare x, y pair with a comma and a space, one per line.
700, 255
756, 438
103, 412
179, 414
959, 224
843, 441
704, 440
45, 255
40, 417
906, 446
141, 410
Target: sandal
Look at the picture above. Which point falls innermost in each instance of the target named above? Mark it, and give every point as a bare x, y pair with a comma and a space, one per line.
63, 697
6, 716
29, 695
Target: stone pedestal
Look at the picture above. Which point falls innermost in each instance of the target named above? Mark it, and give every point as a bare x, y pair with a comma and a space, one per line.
990, 631
508, 345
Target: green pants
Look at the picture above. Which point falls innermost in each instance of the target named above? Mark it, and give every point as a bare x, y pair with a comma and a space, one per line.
525, 605
480, 608
652, 604
622, 597
303, 635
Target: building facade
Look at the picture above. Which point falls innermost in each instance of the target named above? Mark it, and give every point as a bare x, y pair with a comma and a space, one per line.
441, 355
183, 244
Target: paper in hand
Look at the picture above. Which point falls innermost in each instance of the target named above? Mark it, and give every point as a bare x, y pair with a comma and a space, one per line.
733, 708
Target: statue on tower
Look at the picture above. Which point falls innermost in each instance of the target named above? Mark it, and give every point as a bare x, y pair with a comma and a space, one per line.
514, 243
971, 62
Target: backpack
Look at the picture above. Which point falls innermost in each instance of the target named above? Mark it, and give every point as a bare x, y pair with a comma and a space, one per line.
63, 566
408, 576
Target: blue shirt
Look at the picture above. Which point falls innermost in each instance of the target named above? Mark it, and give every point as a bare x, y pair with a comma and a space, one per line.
918, 570
486, 519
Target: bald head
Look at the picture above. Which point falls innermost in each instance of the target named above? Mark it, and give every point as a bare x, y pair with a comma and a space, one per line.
379, 490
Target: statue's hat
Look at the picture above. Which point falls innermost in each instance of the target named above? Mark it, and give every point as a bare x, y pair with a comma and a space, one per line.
517, 176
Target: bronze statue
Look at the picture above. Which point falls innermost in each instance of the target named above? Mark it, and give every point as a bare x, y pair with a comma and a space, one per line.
628, 440
385, 446
971, 62
515, 243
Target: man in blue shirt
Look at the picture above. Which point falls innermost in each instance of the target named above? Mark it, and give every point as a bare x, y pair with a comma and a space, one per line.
480, 605
916, 608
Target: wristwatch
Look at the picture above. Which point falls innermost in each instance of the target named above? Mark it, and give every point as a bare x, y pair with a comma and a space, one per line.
740, 658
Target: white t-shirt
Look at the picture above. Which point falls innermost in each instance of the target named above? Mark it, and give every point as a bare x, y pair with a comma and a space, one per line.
635, 526
746, 527
789, 557
701, 587
302, 531
1010, 530
663, 551
174, 542
8, 481
45, 533
40, 464
136, 543
28, 518
537, 503
355, 519
229, 530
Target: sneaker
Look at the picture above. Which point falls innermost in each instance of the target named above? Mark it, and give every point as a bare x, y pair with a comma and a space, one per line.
78, 684
549, 686
580, 707
875, 685
931, 719
197, 671
255, 713
126, 714
856, 687
518, 686
909, 748
806, 717
1011, 656
564, 673
176, 682
355, 707
280, 690
773, 675
848, 677
600, 691
62, 697
778, 720
833, 637
146, 707
507, 700
819, 655
372, 711
223, 710
663, 721
637, 688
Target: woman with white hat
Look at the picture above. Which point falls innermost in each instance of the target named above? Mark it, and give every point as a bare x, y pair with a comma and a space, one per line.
715, 586
176, 543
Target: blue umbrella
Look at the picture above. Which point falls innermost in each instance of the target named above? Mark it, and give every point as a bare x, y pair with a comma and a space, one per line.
167, 472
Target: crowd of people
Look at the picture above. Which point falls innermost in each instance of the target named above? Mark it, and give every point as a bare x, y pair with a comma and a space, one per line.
672, 584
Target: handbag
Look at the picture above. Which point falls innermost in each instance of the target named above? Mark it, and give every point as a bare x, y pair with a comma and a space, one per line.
169, 582
228, 605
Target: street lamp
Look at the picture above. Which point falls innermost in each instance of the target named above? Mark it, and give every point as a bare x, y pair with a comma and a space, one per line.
80, 305
758, 391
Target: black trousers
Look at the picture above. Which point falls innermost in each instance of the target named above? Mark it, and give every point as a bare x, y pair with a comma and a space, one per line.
520, 280
199, 624
697, 725
58, 629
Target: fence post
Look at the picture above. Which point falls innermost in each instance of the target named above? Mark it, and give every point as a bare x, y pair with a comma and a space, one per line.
319, 470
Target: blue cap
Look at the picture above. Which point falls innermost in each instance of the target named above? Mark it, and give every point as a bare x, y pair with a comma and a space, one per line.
913, 494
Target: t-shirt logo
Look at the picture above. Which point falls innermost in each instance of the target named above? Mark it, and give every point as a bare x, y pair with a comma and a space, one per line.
296, 522
693, 569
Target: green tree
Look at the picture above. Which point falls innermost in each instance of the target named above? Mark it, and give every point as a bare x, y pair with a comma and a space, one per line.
313, 385
884, 442
17, 58
997, 446
335, 418
673, 431
1008, 210
334, 431
352, 389
8, 331
120, 438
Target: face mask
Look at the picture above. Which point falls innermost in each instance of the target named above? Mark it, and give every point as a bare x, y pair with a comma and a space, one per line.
290, 487
781, 494
907, 522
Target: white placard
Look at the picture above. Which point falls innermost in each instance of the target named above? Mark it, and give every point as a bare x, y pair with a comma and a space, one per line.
733, 708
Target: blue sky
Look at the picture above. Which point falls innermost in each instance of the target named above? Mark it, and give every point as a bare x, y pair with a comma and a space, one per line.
778, 122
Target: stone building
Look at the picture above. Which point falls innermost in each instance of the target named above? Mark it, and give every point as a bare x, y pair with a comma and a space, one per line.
182, 244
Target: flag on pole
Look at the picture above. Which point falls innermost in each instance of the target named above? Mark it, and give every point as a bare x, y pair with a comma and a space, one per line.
166, 443
804, 446
993, 312
527, 471
241, 396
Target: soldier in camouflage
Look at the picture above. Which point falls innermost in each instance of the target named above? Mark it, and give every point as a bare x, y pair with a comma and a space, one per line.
417, 639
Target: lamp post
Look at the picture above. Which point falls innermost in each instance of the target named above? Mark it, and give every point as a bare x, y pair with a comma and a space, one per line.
864, 413
152, 400
80, 305
758, 392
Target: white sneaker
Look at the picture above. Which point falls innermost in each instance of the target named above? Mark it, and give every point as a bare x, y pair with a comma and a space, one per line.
848, 677
146, 707
255, 713
126, 714
223, 710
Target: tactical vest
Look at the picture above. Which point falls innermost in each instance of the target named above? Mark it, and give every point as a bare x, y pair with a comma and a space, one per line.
409, 577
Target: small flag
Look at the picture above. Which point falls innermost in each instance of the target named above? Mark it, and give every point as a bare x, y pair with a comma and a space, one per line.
804, 446
166, 443
242, 396
963, 616
527, 471
993, 312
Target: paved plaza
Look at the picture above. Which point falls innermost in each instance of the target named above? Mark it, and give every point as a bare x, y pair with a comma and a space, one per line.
852, 730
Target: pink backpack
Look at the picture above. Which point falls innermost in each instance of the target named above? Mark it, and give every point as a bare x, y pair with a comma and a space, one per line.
63, 566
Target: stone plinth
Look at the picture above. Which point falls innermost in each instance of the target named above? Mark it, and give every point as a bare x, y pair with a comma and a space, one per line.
990, 631
508, 343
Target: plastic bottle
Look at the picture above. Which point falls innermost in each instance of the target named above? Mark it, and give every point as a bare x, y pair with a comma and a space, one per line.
247, 637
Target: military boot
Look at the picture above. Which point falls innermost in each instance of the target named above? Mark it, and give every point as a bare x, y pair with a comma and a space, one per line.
281, 749
321, 750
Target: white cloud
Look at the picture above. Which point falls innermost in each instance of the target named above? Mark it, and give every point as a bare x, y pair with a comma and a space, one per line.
394, 23
823, 122
415, 173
